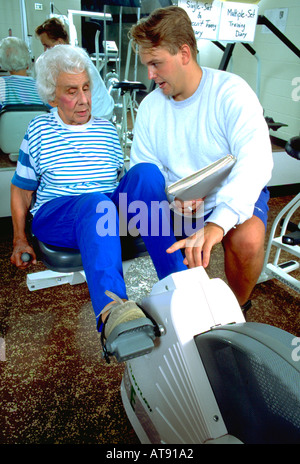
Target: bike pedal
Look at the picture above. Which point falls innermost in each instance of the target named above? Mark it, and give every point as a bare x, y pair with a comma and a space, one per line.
130, 340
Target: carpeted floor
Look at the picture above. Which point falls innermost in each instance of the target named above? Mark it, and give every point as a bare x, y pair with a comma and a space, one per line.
55, 388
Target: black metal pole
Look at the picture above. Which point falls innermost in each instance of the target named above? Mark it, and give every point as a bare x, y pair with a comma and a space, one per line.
265, 21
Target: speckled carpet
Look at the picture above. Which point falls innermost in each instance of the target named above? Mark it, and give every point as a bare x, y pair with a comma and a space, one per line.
55, 388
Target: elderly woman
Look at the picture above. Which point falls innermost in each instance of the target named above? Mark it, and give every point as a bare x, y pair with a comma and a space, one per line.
71, 160
53, 32
18, 87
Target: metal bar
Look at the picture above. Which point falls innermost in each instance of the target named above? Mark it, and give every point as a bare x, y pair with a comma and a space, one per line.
266, 22
226, 56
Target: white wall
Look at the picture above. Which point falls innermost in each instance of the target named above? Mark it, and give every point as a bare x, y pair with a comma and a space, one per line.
280, 67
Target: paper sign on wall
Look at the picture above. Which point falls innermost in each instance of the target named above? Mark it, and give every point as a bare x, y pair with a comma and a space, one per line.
218, 20
238, 22
205, 17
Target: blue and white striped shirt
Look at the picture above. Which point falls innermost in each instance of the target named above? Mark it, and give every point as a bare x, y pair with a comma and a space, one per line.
18, 89
59, 159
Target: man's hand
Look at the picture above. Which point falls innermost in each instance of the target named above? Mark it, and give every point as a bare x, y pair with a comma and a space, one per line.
199, 245
22, 246
187, 207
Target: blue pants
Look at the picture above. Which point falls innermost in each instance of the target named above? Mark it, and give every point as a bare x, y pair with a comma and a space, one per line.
79, 222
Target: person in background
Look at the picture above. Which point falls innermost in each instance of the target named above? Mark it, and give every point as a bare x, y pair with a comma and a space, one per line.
17, 87
52, 32
195, 116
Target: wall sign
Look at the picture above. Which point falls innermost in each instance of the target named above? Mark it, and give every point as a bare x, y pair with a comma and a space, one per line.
225, 21
205, 17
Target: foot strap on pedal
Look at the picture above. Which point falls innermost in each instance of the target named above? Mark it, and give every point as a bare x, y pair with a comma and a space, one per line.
129, 340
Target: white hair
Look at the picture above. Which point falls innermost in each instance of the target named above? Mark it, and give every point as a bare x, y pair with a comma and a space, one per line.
14, 54
61, 58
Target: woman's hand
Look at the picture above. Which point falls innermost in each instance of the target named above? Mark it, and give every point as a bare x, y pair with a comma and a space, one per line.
20, 203
22, 246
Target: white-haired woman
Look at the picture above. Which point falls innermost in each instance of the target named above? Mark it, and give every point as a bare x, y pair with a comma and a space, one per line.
71, 160
17, 87
53, 32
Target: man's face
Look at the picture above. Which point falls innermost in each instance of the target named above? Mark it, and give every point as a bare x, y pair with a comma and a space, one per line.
73, 98
49, 43
166, 70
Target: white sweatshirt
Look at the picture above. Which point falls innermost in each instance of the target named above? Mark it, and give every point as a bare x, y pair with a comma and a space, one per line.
223, 116
102, 101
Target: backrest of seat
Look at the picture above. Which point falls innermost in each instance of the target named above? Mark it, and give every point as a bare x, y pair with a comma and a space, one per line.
255, 381
14, 120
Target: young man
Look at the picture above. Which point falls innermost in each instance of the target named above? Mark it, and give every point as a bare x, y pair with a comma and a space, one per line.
196, 116
52, 32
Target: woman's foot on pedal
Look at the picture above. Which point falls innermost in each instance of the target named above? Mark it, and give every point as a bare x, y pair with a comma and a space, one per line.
127, 332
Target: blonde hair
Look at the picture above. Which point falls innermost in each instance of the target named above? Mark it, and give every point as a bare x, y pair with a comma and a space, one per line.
168, 27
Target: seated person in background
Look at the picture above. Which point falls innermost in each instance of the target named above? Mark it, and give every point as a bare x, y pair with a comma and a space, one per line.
18, 87
71, 160
196, 116
52, 32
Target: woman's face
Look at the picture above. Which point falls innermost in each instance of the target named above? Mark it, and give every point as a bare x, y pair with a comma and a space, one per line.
49, 43
73, 98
